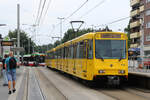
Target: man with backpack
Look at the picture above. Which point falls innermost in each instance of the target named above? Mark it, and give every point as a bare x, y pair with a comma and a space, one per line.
10, 65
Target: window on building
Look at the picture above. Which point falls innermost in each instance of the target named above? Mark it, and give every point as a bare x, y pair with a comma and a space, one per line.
147, 12
148, 37
148, 25
147, 1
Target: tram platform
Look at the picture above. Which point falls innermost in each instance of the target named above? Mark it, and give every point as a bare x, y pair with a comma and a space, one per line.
139, 77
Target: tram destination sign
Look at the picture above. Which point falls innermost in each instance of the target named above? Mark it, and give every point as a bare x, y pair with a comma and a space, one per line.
7, 43
106, 35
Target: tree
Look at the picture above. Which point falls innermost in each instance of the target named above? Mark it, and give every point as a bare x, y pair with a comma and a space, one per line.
24, 39
43, 48
128, 31
71, 34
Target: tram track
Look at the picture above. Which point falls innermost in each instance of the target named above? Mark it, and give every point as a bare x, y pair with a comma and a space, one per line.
123, 94
33, 92
49, 87
48, 90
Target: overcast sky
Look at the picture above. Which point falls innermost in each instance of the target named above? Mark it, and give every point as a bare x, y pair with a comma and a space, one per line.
108, 11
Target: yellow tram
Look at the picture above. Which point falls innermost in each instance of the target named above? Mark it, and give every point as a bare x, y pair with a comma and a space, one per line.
92, 56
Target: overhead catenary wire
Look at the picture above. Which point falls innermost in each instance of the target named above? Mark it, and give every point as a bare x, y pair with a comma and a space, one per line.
76, 10
66, 18
38, 12
121, 19
39, 19
100, 3
115, 21
49, 2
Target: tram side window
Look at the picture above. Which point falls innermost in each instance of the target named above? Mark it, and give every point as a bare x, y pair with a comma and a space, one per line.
71, 56
90, 49
75, 51
52, 55
85, 49
59, 53
63, 53
81, 49
78, 50
69, 52
66, 52
55, 53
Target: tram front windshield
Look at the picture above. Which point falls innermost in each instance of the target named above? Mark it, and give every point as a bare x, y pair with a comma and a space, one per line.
110, 49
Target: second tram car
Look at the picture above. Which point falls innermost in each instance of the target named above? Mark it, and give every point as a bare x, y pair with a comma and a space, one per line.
92, 56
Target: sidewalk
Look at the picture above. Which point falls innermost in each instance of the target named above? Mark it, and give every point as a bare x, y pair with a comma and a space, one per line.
4, 90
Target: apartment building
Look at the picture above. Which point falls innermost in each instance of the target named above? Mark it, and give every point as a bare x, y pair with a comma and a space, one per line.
140, 9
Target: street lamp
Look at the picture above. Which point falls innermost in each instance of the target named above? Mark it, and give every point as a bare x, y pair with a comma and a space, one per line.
2, 24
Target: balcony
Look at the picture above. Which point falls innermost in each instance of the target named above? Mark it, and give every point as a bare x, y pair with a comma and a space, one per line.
134, 2
142, 8
135, 12
135, 24
135, 35
134, 45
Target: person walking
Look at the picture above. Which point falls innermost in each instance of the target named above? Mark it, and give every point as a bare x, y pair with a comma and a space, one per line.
4, 71
10, 65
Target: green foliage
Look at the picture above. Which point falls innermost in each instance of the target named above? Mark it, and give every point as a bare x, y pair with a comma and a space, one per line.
43, 48
128, 31
23, 40
71, 34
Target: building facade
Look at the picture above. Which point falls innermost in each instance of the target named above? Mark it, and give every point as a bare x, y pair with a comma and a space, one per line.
140, 13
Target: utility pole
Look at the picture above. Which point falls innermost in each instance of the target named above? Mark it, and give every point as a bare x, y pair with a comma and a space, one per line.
18, 30
34, 32
142, 41
29, 46
60, 26
1, 39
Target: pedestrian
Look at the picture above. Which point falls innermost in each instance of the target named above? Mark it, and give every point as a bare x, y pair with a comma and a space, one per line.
10, 65
4, 71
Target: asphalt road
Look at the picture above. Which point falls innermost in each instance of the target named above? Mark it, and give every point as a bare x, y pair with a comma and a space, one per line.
41, 83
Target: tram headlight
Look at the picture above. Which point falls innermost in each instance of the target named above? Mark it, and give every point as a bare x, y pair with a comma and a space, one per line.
101, 71
121, 71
